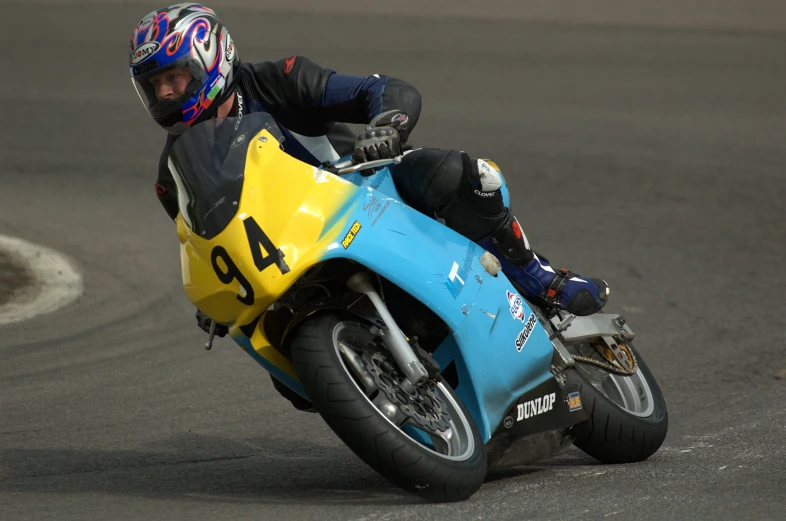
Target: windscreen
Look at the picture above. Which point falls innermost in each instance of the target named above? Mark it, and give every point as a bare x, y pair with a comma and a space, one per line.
208, 161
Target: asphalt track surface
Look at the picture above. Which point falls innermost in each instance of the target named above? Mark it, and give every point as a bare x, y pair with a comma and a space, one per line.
651, 157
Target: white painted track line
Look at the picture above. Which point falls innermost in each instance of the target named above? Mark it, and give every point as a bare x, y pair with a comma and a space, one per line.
56, 282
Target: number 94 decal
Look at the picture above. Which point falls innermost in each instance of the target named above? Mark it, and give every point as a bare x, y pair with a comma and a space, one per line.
257, 241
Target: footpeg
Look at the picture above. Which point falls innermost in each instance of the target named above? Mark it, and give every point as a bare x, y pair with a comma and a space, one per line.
562, 326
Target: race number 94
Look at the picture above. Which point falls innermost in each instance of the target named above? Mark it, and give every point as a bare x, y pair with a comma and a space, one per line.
264, 253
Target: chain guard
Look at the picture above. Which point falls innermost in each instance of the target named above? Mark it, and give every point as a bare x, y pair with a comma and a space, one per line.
422, 407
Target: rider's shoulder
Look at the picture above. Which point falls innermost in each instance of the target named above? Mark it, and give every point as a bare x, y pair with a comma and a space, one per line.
290, 66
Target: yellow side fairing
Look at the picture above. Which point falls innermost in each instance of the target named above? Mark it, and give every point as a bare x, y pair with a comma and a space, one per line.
275, 236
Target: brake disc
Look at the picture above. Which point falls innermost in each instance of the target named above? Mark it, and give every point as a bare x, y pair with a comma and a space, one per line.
421, 406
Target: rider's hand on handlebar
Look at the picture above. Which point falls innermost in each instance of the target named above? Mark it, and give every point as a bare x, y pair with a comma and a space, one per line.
378, 143
383, 137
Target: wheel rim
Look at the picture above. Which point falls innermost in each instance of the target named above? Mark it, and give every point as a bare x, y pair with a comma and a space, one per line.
449, 437
630, 393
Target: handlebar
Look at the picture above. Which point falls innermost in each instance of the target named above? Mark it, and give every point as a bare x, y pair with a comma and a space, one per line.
348, 167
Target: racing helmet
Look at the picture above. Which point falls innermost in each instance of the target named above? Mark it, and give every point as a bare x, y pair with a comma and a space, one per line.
183, 35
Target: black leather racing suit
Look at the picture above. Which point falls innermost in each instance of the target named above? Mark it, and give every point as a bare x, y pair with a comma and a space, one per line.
462, 192
310, 100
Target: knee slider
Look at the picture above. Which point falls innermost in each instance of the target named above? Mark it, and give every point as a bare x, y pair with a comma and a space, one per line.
462, 192
476, 209
485, 179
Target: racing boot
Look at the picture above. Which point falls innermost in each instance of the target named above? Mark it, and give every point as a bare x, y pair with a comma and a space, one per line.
549, 288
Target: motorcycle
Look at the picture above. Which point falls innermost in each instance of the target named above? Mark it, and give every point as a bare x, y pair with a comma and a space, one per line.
407, 338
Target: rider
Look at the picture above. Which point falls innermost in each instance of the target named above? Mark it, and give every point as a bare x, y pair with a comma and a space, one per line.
186, 69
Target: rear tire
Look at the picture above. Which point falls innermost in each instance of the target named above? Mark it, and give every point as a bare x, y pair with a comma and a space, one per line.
360, 424
613, 433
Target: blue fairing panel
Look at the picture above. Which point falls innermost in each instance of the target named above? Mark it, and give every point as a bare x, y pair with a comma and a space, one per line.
499, 348
500, 352
431, 262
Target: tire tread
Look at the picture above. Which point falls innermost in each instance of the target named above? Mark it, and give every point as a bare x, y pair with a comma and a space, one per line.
645, 436
370, 436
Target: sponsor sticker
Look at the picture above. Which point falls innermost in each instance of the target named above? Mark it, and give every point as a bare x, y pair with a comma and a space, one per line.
350, 236
521, 340
239, 110
574, 401
536, 407
375, 208
230, 52
460, 272
400, 118
238, 141
455, 281
143, 52
516, 306
484, 194
379, 178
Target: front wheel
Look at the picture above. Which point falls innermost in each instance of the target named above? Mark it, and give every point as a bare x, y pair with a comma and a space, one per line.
627, 414
425, 441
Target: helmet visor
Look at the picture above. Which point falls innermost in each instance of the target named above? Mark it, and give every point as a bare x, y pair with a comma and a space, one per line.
164, 90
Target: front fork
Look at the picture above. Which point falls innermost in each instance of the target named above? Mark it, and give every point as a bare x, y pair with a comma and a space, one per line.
409, 363
394, 339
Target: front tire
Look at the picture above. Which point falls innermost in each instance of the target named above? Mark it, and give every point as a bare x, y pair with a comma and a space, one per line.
628, 420
372, 422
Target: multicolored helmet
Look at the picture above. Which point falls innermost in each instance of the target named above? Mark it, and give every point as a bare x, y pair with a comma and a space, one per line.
184, 35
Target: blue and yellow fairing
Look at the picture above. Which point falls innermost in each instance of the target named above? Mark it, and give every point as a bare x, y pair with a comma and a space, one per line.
312, 216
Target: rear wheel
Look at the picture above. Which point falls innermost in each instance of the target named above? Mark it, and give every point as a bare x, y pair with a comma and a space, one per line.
424, 441
628, 420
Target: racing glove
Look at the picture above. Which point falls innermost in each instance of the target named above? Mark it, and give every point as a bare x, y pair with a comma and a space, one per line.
383, 137
204, 322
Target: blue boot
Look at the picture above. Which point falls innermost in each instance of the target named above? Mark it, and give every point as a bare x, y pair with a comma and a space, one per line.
549, 288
